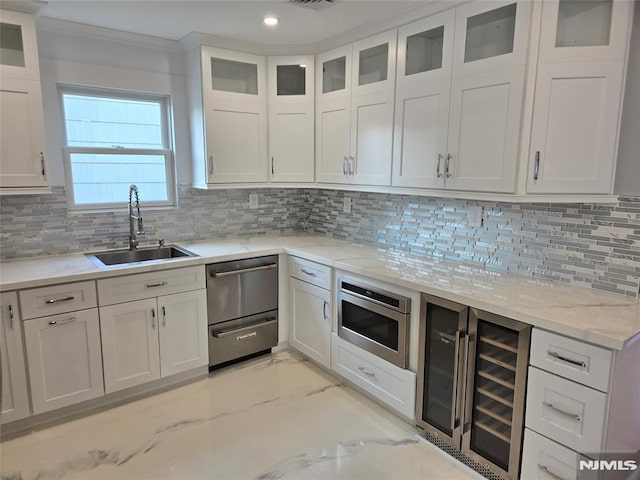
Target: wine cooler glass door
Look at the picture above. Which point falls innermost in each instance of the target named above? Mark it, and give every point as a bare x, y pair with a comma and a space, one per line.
442, 352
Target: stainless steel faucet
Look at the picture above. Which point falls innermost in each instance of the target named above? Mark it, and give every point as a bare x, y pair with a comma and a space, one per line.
133, 240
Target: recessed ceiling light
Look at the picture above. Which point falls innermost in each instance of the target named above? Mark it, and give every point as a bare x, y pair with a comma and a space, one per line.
271, 21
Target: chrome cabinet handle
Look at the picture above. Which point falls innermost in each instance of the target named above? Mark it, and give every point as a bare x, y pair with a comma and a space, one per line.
536, 166
51, 301
546, 470
42, 163
164, 317
344, 165
366, 371
152, 285
11, 316
573, 416
272, 167
153, 318
438, 173
210, 164
324, 310
63, 321
352, 161
447, 164
311, 274
557, 356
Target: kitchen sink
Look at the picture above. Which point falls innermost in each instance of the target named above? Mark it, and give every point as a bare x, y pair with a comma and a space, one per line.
120, 257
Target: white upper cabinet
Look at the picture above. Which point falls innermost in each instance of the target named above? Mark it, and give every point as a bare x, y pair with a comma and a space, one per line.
460, 92
23, 161
291, 118
227, 93
423, 88
354, 111
578, 99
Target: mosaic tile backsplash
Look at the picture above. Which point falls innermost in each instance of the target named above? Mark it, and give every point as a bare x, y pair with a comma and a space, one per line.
596, 245
40, 224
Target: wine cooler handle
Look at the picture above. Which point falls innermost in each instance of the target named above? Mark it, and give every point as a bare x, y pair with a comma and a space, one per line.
468, 390
457, 373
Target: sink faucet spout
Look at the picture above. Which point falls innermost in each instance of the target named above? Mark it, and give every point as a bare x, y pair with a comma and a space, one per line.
133, 232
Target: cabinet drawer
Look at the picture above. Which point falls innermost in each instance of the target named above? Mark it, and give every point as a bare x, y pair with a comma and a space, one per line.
70, 297
544, 459
148, 285
311, 272
565, 411
572, 359
392, 385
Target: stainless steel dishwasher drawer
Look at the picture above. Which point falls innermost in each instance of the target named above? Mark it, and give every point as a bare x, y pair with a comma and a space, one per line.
238, 338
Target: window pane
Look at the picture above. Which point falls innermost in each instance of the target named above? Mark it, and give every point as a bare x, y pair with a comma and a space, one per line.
105, 178
235, 77
11, 49
490, 34
105, 122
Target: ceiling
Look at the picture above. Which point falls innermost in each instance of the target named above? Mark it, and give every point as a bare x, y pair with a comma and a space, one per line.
237, 19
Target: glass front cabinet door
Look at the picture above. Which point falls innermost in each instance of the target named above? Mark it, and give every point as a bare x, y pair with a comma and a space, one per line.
291, 118
235, 110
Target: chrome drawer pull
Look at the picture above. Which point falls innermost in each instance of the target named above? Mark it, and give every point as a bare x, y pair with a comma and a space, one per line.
574, 416
366, 371
246, 335
153, 318
324, 310
151, 285
311, 274
438, 174
51, 301
164, 317
63, 321
557, 356
11, 316
549, 472
536, 166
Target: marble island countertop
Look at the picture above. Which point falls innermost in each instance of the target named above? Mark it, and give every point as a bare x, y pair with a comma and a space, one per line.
603, 319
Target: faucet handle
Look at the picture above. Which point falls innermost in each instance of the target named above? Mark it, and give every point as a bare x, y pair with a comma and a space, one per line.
161, 243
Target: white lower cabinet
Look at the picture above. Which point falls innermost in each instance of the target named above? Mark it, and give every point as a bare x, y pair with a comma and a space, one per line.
15, 394
394, 386
153, 338
64, 358
311, 326
544, 459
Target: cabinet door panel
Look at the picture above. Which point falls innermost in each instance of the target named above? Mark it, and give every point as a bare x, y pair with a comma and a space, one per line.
332, 141
372, 139
291, 143
130, 347
575, 128
183, 332
484, 131
311, 320
15, 396
421, 128
236, 143
22, 134
64, 358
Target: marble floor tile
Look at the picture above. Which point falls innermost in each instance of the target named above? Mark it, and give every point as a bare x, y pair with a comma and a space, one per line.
277, 417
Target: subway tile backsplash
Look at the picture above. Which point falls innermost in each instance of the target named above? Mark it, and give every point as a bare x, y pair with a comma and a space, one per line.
595, 245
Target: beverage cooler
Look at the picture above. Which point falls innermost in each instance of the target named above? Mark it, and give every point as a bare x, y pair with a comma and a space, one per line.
471, 382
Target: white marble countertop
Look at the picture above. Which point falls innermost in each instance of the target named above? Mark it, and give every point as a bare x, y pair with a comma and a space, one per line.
603, 319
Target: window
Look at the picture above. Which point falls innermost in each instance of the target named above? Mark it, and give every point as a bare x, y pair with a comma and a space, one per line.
112, 140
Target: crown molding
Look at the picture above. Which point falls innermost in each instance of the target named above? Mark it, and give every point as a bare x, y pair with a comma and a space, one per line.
30, 6
55, 25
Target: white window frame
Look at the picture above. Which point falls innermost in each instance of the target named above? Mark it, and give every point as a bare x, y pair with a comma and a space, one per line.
167, 151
